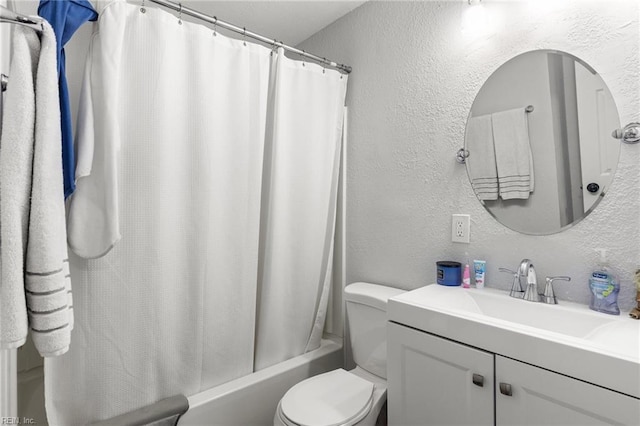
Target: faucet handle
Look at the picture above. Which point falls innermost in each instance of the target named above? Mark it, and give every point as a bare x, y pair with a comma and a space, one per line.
508, 270
558, 278
516, 287
549, 295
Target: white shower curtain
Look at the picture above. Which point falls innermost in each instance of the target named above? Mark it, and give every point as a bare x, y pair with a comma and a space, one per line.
302, 152
172, 136
207, 175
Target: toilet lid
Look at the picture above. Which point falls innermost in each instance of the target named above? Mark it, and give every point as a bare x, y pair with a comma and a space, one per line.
330, 399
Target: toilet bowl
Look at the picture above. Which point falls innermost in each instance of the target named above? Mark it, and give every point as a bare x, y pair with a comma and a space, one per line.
335, 398
342, 397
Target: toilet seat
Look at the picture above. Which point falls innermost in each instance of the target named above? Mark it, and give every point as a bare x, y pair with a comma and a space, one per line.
336, 398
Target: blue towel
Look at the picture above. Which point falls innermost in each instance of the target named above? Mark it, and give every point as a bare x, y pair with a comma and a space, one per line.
66, 16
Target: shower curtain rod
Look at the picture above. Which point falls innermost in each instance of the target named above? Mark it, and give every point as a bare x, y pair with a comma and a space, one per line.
214, 20
9, 16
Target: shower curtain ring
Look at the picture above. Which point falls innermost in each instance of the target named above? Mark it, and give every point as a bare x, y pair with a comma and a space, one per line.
244, 36
142, 8
215, 25
304, 55
180, 14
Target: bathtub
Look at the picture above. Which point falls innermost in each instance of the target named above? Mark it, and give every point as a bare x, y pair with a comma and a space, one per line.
253, 399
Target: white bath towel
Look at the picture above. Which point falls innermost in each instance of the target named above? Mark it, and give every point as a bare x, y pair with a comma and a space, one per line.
33, 249
513, 154
47, 270
16, 156
481, 162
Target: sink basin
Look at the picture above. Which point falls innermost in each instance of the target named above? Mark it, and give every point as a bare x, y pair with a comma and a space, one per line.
567, 338
567, 318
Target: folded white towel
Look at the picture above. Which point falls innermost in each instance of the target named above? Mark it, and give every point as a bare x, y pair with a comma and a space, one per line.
513, 154
33, 249
481, 162
47, 268
16, 158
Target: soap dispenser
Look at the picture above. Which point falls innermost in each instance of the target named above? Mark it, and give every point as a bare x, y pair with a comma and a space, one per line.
604, 288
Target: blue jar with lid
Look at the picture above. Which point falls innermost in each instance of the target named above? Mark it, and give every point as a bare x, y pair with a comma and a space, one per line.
449, 273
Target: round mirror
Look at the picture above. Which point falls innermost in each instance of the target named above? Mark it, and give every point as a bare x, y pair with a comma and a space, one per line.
540, 151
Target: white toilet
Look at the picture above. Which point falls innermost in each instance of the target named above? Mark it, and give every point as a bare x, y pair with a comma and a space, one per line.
342, 397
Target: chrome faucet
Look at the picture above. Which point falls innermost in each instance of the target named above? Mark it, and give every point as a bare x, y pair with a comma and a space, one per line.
527, 271
531, 293
517, 289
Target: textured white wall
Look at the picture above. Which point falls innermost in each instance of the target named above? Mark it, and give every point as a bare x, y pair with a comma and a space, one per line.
415, 76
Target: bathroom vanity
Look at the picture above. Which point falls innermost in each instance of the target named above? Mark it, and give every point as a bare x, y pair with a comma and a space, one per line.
468, 356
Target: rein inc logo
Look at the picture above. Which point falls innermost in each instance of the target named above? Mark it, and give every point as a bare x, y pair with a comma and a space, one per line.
17, 421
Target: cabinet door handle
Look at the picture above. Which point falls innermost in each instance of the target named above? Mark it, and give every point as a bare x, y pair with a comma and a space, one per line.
478, 379
505, 389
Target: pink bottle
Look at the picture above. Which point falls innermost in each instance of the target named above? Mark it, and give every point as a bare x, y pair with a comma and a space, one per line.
466, 278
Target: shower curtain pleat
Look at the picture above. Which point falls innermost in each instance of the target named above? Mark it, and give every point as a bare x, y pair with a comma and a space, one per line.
176, 128
304, 129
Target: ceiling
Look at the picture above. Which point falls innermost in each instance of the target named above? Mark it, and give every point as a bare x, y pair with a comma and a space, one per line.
288, 21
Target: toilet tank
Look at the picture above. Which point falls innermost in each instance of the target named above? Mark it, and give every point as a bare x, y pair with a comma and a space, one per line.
367, 318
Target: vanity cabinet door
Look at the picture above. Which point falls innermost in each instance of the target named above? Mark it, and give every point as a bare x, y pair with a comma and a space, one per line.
541, 397
431, 380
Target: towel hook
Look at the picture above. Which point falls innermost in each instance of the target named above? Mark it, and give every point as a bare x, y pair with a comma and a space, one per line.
462, 155
629, 134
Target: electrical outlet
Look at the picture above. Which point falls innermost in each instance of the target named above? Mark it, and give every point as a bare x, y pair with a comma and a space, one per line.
460, 228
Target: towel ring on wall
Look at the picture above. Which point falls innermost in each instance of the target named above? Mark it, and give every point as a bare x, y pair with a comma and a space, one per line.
629, 134
461, 155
